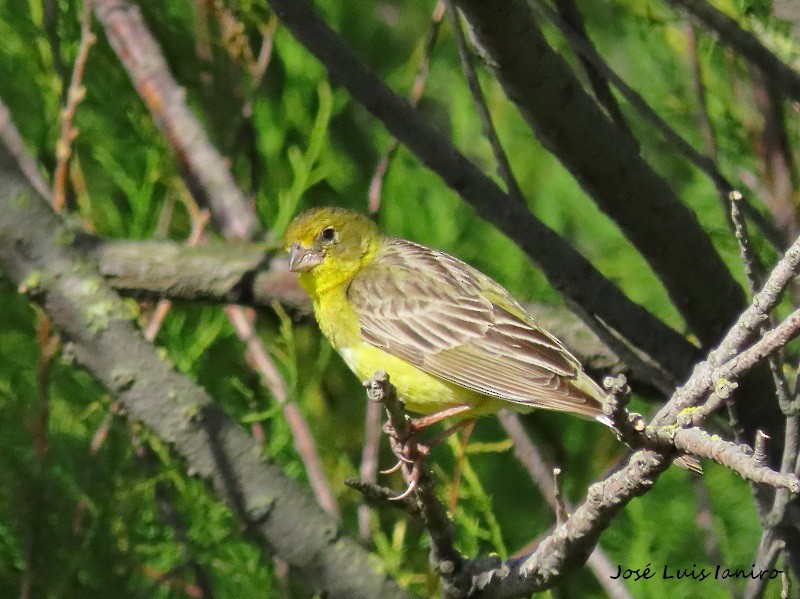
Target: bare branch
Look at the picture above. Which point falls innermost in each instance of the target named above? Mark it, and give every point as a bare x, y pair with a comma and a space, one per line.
103, 339
741, 459
383, 496
569, 544
14, 144
730, 33
444, 559
529, 456
705, 377
376, 184
571, 15
74, 95
489, 132
222, 273
142, 58
705, 163
607, 164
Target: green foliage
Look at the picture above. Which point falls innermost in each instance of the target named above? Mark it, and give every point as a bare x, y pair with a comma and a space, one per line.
92, 518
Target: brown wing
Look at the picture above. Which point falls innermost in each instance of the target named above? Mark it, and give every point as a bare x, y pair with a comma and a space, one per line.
451, 321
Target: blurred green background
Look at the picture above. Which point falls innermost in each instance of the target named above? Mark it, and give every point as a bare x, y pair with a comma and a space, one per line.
92, 522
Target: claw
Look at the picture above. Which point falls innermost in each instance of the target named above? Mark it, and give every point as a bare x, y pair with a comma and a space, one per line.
413, 483
394, 468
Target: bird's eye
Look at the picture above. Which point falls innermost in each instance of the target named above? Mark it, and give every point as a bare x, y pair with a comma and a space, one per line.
328, 235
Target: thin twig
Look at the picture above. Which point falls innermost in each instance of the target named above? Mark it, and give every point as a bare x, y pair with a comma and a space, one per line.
753, 272
489, 131
730, 33
421, 76
706, 128
12, 140
444, 559
773, 341
101, 434
528, 455
368, 470
259, 67
766, 555
705, 163
571, 14
206, 170
561, 510
243, 321
47, 343
705, 375
75, 94
384, 496
752, 269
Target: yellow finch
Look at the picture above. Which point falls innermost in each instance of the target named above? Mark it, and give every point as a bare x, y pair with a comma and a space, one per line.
451, 339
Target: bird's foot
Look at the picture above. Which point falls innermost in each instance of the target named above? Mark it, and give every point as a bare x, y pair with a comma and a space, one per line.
411, 456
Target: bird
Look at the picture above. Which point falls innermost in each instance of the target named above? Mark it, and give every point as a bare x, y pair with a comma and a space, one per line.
454, 342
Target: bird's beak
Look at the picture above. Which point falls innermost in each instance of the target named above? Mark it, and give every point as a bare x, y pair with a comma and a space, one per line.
303, 259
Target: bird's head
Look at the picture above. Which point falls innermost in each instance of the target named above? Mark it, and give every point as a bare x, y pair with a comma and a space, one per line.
328, 246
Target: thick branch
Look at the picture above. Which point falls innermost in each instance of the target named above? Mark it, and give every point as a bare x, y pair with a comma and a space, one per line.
224, 273
606, 162
569, 545
35, 255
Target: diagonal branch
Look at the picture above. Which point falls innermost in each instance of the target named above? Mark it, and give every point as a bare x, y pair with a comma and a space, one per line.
165, 99
36, 255
571, 15
489, 131
570, 543
528, 455
607, 164
730, 33
205, 168
706, 163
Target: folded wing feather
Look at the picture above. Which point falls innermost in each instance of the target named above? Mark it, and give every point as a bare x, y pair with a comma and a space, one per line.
452, 321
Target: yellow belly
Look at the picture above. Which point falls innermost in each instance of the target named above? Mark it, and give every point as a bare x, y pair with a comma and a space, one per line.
422, 393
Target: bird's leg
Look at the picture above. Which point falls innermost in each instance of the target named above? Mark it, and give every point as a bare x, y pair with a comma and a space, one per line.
401, 447
424, 421
411, 453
